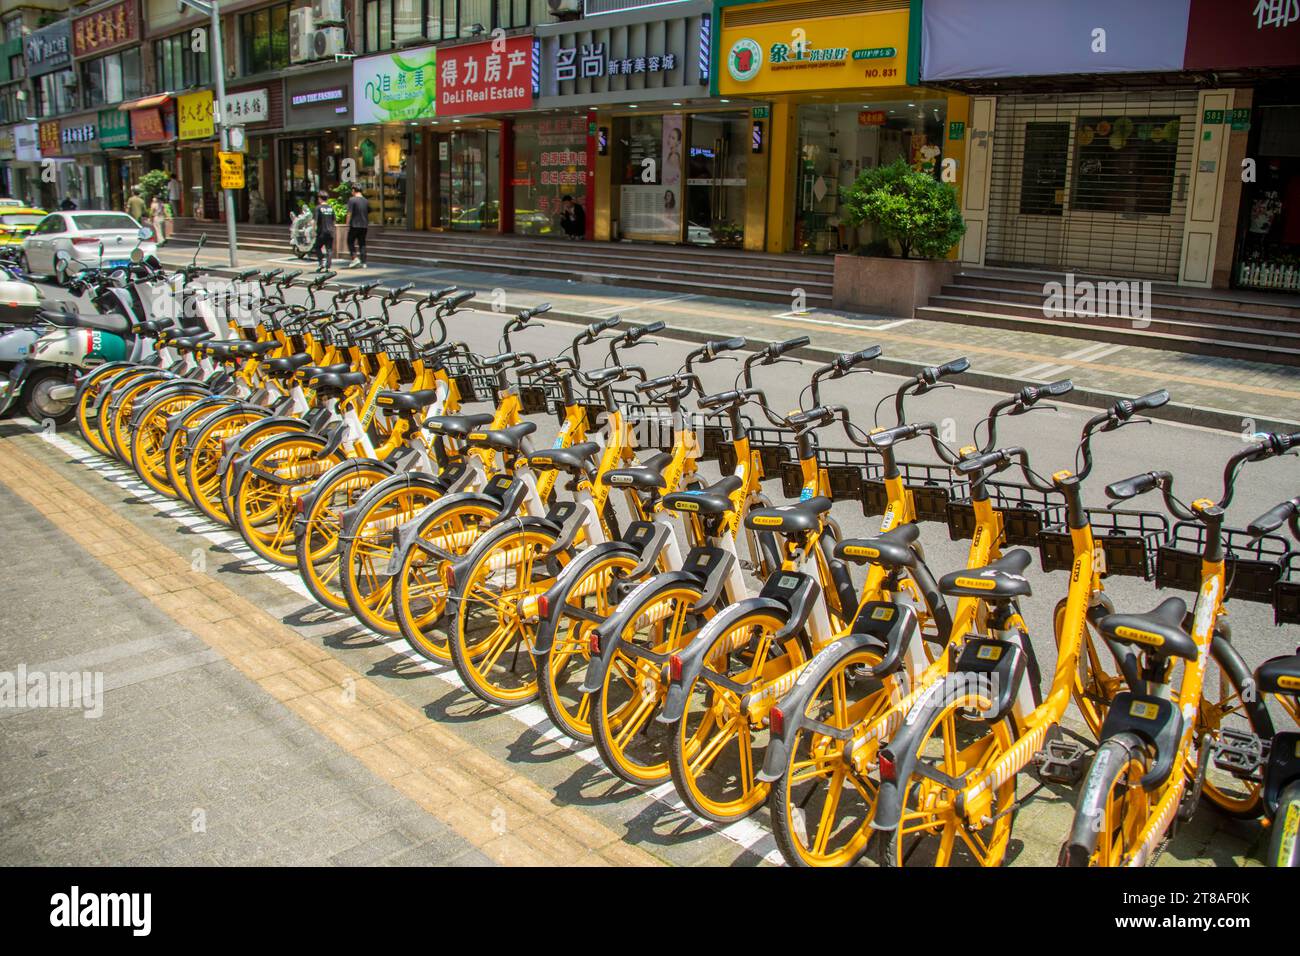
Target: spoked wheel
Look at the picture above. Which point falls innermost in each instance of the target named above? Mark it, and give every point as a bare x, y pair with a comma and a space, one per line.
563, 666
821, 806
931, 831
148, 455
632, 743
491, 641
280, 471
1226, 705
1097, 678
1113, 808
719, 743
318, 545
419, 593
367, 557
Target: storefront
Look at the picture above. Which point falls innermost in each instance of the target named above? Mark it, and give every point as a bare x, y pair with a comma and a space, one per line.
114, 133
840, 97
79, 141
318, 112
25, 171
196, 153
394, 99
1264, 122
259, 111
626, 125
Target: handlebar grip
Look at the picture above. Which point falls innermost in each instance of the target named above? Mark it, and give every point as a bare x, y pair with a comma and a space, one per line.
540, 309
436, 294
1286, 442
1274, 518
821, 414
604, 325
635, 335
849, 360
654, 384
459, 299
1056, 389
720, 399
714, 348
535, 367
1129, 407
955, 367
1137, 485
395, 293
777, 349
979, 462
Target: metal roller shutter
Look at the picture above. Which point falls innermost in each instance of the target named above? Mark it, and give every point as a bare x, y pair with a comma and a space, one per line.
1093, 182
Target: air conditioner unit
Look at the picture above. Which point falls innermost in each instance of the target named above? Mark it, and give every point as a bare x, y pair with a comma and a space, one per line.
327, 11
329, 42
565, 9
300, 35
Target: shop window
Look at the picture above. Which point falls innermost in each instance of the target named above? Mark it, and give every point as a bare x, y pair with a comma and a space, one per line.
177, 66
550, 163
1042, 171
111, 79
264, 39
1125, 164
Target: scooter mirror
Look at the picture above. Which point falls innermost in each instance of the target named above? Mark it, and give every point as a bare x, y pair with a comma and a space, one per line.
62, 256
143, 233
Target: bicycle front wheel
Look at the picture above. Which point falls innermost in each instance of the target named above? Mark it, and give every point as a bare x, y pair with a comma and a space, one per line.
279, 472
1113, 807
318, 543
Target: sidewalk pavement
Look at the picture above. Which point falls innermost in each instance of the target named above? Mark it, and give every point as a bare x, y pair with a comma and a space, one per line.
1216, 392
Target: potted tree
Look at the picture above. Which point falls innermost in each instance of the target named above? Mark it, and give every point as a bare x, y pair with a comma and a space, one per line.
910, 210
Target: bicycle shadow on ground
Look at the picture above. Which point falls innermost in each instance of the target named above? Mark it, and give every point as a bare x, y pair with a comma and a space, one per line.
401, 667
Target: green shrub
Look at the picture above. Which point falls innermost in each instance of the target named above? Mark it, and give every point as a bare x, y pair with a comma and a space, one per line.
153, 184
917, 211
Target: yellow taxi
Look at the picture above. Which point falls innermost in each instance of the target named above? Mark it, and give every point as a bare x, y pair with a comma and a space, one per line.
16, 222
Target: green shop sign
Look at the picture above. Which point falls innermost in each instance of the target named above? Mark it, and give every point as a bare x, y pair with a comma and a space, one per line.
395, 87
114, 129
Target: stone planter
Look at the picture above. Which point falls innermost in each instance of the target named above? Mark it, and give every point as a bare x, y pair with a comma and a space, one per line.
879, 286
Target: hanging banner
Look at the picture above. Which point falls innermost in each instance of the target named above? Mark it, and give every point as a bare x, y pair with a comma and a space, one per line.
395, 87
194, 115
476, 78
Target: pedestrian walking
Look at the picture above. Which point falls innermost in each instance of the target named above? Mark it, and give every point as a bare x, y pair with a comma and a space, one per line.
358, 224
158, 219
135, 205
324, 248
174, 194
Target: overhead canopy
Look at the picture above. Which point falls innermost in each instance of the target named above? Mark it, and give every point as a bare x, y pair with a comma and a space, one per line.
147, 102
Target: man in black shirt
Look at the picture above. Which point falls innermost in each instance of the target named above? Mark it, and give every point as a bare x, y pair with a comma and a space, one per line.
573, 218
324, 248
358, 223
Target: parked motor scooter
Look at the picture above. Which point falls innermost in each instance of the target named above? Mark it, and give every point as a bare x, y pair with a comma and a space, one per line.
302, 232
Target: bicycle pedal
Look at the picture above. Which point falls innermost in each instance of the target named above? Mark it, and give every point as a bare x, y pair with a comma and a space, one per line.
1061, 761
1239, 753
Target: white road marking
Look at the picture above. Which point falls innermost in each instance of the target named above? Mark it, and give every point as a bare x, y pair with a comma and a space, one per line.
855, 326
745, 833
609, 310
1048, 371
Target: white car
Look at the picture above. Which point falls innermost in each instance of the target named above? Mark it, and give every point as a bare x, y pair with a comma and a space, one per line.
79, 234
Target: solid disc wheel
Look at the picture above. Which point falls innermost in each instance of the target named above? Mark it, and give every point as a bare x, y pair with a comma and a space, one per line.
930, 831
319, 548
632, 743
491, 641
821, 806
419, 592
148, 455
371, 592
1112, 803
563, 666
264, 509
718, 745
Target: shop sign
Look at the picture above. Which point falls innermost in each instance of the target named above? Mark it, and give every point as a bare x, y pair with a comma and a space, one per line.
49, 138
590, 60
486, 77
147, 126
77, 137
250, 106
1241, 119
956, 130
395, 87
817, 54
1000, 38
1243, 34
114, 129
48, 49
194, 115
871, 117
232, 170
27, 143
337, 94
106, 29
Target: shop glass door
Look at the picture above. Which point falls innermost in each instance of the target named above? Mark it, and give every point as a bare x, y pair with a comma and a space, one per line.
301, 161
468, 163
717, 164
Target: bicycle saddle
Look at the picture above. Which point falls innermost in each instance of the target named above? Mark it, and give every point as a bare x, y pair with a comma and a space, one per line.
408, 401
338, 368
789, 519
87, 320
1003, 578
1281, 675
258, 348
647, 476
713, 500
889, 550
335, 382
575, 459
288, 364
503, 439
1157, 632
457, 426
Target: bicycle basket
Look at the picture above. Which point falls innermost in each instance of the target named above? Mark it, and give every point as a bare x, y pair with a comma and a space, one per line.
932, 487
773, 446
1129, 539
1252, 566
1286, 592
474, 382
714, 434
538, 394
1025, 512
844, 468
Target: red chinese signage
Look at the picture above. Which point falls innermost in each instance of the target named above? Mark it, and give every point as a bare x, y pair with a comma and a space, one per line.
147, 126
871, 118
106, 29
1227, 34
486, 77
49, 139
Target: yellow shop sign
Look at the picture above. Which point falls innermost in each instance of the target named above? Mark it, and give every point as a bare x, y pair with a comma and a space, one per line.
194, 115
822, 53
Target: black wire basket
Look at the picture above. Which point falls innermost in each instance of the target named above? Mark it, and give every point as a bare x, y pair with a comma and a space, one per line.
933, 487
1286, 592
1253, 566
1025, 512
773, 446
1130, 540
845, 470
474, 382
